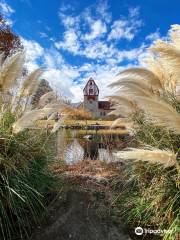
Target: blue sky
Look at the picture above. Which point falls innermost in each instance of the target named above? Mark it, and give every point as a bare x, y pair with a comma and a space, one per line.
75, 40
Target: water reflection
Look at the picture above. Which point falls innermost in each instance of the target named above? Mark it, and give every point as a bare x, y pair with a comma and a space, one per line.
90, 149
106, 155
74, 152
72, 147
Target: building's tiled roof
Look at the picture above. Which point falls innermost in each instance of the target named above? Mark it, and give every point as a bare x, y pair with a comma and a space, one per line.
104, 105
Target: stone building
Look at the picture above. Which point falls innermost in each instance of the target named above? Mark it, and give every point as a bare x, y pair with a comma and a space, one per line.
98, 109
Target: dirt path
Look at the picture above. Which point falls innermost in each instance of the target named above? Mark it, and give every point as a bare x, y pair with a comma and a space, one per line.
77, 220
82, 213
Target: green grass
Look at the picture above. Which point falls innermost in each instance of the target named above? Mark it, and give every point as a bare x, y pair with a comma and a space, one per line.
25, 179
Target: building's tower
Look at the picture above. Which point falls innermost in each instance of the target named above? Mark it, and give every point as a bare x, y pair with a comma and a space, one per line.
91, 94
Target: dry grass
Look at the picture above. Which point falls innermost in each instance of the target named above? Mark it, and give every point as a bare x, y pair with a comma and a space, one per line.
87, 169
104, 132
165, 157
88, 122
74, 122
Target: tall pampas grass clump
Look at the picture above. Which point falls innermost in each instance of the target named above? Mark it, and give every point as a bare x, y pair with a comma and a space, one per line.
25, 152
150, 98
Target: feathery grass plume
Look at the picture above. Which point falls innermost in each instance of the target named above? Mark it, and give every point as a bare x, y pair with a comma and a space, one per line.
124, 100
15, 104
24, 175
1, 59
170, 58
124, 106
46, 98
167, 51
10, 71
150, 194
52, 116
117, 123
174, 34
153, 155
125, 123
27, 120
30, 84
58, 124
138, 76
121, 111
132, 90
49, 111
58, 107
157, 68
160, 112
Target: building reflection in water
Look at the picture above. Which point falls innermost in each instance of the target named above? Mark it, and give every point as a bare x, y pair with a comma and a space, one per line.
73, 149
74, 152
91, 150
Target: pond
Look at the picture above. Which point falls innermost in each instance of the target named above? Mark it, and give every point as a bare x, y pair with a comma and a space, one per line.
77, 145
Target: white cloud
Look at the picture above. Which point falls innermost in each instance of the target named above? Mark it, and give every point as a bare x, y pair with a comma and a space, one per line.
70, 42
133, 54
134, 12
87, 26
69, 80
34, 52
68, 21
6, 11
65, 7
153, 36
103, 75
98, 28
52, 59
126, 28
59, 81
86, 35
121, 29
103, 10
43, 35
59, 73
77, 92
